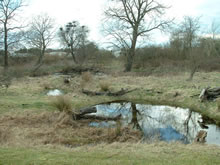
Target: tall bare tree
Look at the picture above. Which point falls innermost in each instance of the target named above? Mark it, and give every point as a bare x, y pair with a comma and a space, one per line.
214, 29
8, 12
73, 36
185, 36
189, 29
131, 19
40, 35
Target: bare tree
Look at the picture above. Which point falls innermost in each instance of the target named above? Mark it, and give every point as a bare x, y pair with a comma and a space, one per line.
40, 35
73, 36
131, 19
189, 29
8, 13
185, 35
215, 29
209, 43
184, 38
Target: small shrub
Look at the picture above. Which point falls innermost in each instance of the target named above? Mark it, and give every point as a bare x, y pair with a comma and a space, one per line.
104, 85
63, 104
47, 86
86, 76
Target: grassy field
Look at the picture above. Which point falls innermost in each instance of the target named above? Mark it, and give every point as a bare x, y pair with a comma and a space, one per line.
29, 93
116, 153
32, 131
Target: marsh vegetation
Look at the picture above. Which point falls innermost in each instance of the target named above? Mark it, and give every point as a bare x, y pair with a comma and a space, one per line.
44, 92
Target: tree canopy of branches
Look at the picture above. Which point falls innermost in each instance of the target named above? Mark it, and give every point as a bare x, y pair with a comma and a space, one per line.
128, 20
214, 29
40, 34
185, 36
9, 25
74, 36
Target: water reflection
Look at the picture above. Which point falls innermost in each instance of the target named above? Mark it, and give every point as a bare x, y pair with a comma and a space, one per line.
161, 122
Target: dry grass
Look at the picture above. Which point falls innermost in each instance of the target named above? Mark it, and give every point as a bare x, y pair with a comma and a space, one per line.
57, 128
104, 86
47, 86
115, 153
35, 125
86, 76
63, 104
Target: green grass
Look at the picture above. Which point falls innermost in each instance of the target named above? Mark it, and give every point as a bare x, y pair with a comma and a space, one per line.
32, 94
118, 153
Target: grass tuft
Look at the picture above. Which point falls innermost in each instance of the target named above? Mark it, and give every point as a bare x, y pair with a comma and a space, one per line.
105, 86
86, 76
63, 104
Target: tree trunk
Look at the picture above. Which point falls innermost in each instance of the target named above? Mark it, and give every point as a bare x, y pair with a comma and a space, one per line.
129, 63
192, 72
40, 60
73, 55
134, 119
5, 46
131, 53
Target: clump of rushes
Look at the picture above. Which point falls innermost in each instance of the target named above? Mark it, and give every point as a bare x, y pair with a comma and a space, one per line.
86, 76
104, 85
63, 104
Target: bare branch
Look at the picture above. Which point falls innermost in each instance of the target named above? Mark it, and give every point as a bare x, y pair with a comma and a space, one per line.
134, 18
73, 36
40, 34
8, 12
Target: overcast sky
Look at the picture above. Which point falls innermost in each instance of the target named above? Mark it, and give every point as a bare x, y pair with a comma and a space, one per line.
90, 12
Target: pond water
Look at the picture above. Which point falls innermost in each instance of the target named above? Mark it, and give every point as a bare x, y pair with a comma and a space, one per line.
159, 122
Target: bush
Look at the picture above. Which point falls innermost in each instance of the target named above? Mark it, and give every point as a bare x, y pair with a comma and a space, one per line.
104, 85
86, 76
63, 104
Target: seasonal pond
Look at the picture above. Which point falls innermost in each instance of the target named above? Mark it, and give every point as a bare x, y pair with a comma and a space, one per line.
159, 122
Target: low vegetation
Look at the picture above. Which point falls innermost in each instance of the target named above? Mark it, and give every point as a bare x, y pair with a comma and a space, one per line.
104, 85
116, 153
35, 131
39, 129
63, 104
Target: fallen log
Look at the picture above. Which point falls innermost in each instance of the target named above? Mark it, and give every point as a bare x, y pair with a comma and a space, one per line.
102, 118
79, 70
118, 93
82, 112
85, 113
209, 94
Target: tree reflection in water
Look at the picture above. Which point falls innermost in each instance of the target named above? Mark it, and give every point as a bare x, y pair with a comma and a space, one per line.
163, 122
